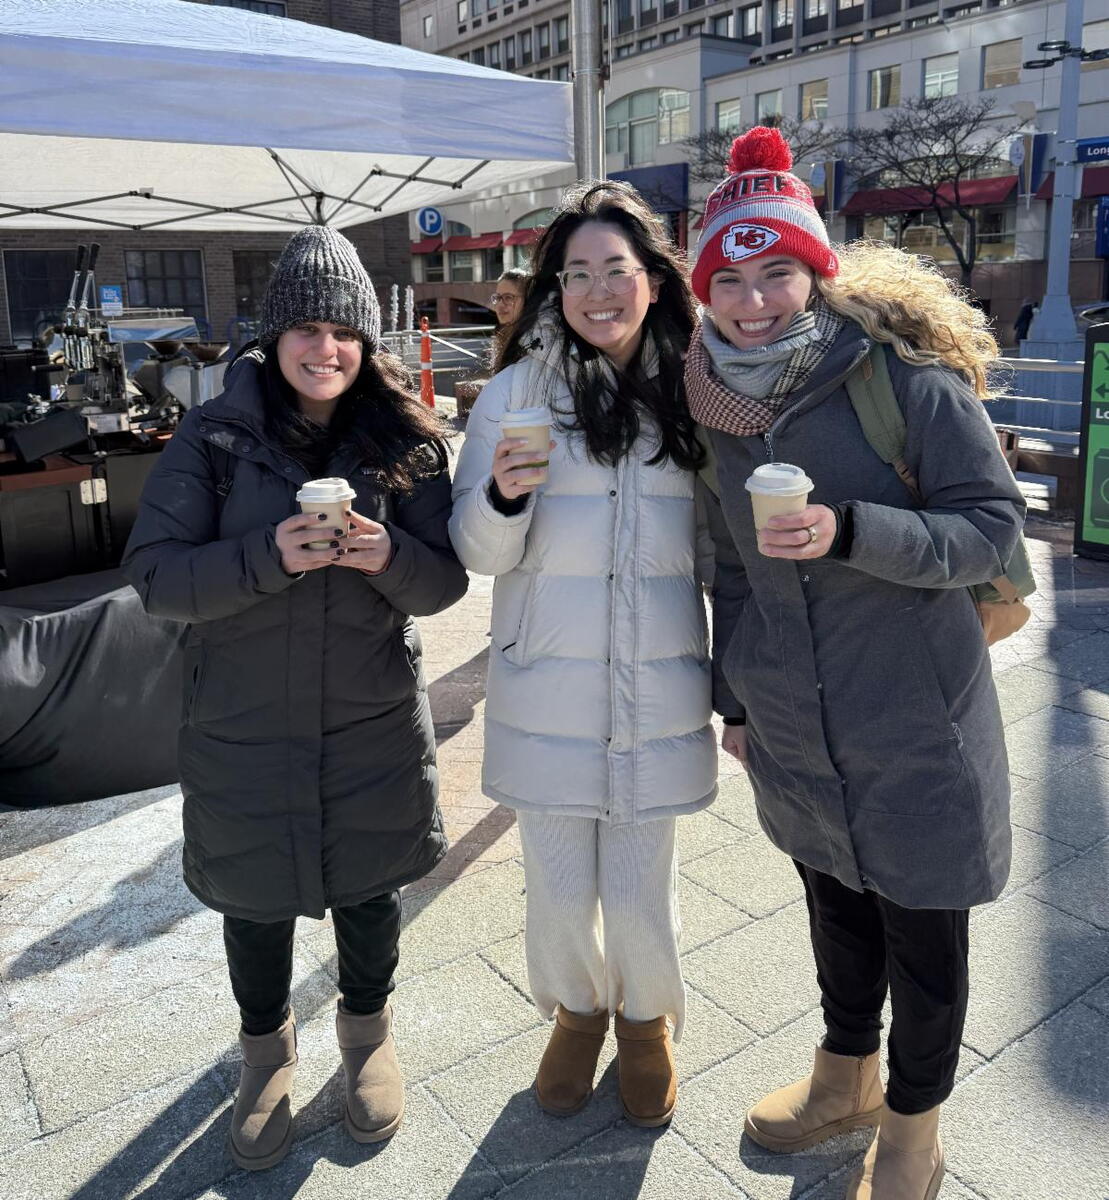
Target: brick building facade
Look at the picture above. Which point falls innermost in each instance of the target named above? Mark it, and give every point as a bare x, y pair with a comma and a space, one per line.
174, 267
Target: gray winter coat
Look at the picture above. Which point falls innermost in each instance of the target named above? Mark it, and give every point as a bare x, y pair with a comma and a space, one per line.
875, 744
306, 751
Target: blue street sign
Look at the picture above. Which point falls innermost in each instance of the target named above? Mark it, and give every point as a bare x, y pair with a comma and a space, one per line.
429, 221
1102, 243
1093, 150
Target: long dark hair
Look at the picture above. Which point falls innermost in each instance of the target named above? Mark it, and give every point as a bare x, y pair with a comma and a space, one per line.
610, 419
397, 436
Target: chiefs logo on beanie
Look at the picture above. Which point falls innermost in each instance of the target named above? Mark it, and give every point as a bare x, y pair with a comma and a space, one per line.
760, 208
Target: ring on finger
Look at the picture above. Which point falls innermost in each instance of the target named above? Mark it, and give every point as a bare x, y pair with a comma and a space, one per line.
813, 535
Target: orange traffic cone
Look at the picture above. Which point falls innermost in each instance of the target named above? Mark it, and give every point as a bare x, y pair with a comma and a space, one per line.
427, 381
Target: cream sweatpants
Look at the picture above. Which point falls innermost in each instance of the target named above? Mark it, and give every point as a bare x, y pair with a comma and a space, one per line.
602, 917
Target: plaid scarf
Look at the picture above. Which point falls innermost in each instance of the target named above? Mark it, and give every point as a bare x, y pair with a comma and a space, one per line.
717, 406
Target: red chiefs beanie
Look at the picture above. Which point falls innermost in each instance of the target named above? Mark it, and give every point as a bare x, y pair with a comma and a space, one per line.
760, 209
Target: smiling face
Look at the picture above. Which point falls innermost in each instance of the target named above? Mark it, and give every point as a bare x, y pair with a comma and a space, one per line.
612, 323
319, 361
752, 303
510, 299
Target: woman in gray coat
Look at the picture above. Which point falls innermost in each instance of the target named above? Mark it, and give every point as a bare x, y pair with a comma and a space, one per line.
307, 754
850, 662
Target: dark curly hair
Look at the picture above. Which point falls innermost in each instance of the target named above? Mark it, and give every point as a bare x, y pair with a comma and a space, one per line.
610, 418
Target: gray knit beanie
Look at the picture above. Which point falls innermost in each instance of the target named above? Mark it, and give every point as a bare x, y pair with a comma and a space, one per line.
319, 278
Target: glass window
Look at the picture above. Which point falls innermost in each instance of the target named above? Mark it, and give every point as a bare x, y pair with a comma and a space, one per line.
525, 47
722, 25
884, 87
637, 124
670, 35
463, 9
781, 13
253, 269
433, 267
463, 267
647, 43
562, 72
884, 31
1095, 36
562, 34
477, 7
729, 116
815, 8
38, 284
429, 26
543, 73
694, 29
1001, 64
625, 51
814, 100
494, 52
543, 39
271, 8
941, 75
510, 52
768, 104
477, 55
673, 115
751, 21
167, 279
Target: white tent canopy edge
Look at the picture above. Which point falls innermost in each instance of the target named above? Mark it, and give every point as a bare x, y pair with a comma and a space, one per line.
141, 113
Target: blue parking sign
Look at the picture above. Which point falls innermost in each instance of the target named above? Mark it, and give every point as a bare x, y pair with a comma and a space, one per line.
429, 221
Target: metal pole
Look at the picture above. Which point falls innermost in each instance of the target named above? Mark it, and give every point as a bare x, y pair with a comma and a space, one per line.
1055, 320
585, 63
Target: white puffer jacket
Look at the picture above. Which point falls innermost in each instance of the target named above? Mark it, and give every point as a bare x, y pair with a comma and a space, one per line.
599, 693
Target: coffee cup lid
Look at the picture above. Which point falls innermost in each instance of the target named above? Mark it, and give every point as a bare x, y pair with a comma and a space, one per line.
779, 479
325, 491
540, 415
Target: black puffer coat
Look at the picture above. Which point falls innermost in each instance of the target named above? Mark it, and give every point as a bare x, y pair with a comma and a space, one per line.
307, 755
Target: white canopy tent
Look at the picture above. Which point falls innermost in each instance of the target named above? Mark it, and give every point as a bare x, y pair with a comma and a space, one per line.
136, 114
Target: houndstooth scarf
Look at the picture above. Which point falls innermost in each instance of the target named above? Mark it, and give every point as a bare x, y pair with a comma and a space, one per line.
717, 405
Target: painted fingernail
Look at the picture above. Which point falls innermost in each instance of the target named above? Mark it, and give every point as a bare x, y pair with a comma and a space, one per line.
334, 544
339, 532
338, 554
321, 516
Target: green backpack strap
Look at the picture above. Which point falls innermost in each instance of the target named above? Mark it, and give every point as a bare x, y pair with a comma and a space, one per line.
870, 390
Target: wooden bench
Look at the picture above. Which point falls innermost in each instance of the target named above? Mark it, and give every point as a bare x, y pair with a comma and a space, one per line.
1060, 462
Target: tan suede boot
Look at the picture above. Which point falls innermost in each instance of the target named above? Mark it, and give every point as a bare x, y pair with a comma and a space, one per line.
841, 1094
564, 1081
905, 1160
374, 1086
262, 1120
648, 1082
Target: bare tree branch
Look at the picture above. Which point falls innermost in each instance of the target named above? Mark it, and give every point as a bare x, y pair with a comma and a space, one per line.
708, 150
928, 150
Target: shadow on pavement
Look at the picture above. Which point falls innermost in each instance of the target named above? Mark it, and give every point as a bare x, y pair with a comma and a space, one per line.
128, 918
454, 695
22, 829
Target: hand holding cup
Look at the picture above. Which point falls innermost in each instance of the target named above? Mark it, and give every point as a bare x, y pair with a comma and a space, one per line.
368, 548
300, 550
805, 534
515, 469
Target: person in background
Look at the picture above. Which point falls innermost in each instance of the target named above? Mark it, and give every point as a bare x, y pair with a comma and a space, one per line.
307, 754
508, 299
1024, 320
598, 702
851, 666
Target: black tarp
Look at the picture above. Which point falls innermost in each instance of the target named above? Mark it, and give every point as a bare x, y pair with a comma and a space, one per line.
90, 692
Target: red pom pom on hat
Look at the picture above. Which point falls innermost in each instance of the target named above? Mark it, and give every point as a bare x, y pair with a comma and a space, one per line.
758, 149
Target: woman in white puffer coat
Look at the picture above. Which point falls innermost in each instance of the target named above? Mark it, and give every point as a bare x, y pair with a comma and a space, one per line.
599, 697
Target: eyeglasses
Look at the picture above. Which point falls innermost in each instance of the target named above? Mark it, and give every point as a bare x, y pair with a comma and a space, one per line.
503, 298
617, 280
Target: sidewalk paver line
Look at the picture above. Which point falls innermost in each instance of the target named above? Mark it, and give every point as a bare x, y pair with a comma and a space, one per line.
29, 1092
500, 974
678, 1136
485, 1159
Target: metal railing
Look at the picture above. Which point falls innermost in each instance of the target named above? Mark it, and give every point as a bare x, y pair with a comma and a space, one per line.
1019, 411
405, 343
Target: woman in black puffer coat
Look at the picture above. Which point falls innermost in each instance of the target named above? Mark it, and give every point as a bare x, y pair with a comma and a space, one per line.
307, 754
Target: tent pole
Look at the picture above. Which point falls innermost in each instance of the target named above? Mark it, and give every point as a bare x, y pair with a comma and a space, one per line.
585, 62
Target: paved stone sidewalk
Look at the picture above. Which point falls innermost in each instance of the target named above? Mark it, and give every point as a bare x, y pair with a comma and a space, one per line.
118, 1058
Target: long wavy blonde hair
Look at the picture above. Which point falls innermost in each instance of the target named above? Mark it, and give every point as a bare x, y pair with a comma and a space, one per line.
907, 302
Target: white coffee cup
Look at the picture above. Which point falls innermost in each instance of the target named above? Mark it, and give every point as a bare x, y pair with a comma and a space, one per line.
776, 489
533, 424
330, 496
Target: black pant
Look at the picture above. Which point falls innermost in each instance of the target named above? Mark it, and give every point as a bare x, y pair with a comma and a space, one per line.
865, 945
260, 960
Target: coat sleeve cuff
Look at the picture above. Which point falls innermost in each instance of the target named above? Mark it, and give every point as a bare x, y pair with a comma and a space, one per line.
260, 549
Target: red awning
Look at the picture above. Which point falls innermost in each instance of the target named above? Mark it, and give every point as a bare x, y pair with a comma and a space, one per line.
426, 246
483, 241
523, 237
1095, 182
972, 192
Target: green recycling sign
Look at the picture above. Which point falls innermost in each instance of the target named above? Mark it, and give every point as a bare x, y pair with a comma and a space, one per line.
1091, 526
